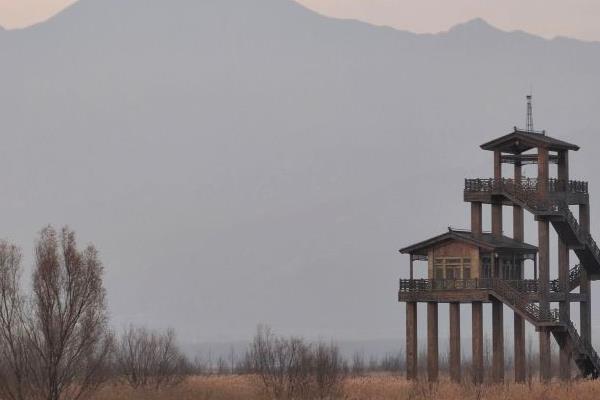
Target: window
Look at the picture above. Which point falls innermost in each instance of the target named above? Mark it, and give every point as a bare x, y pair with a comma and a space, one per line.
452, 268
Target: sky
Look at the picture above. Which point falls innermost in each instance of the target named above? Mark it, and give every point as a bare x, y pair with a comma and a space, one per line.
223, 193
547, 18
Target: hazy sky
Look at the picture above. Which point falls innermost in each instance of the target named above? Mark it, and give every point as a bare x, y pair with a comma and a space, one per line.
548, 18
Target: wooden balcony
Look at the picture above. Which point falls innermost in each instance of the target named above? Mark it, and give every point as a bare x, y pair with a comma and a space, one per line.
528, 190
483, 290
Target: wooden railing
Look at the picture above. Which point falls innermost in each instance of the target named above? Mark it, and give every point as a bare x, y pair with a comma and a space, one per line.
526, 191
584, 347
525, 185
514, 297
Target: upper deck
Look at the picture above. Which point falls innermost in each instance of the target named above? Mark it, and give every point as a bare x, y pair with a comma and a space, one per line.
553, 191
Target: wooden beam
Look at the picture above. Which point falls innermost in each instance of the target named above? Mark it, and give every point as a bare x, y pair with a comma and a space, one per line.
432, 342
455, 372
477, 337
411, 341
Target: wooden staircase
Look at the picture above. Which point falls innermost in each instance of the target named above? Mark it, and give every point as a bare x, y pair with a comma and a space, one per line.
583, 352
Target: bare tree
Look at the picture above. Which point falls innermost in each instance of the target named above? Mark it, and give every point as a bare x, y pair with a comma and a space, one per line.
293, 369
150, 359
67, 329
14, 382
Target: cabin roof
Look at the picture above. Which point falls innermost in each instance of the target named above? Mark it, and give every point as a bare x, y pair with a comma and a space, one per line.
520, 141
485, 240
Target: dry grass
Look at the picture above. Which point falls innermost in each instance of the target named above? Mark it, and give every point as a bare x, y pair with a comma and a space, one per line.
379, 387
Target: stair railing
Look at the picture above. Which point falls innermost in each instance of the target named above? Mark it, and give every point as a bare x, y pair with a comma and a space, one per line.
584, 345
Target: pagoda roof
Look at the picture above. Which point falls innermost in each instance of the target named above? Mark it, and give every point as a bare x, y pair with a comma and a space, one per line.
485, 240
520, 141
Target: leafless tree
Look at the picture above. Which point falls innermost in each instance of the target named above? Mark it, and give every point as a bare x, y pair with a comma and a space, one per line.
150, 359
67, 329
14, 382
290, 368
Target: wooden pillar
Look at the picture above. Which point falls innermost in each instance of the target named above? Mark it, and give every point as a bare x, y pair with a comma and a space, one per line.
518, 226
497, 202
411, 267
455, 373
544, 265
545, 355
585, 315
543, 171
563, 169
497, 217
497, 164
497, 341
432, 342
411, 340
544, 289
476, 214
519, 348
477, 335
564, 307
565, 354
519, 323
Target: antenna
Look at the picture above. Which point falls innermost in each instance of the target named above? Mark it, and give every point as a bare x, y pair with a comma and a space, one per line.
529, 123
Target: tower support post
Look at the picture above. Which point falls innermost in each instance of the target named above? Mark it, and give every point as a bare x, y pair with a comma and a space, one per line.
519, 348
411, 340
585, 314
455, 367
432, 342
498, 341
545, 355
477, 337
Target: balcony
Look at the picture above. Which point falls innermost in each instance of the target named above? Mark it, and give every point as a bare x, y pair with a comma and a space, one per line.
494, 185
536, 194
520, 295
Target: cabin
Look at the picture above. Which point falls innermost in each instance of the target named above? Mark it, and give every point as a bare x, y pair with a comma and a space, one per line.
460, 254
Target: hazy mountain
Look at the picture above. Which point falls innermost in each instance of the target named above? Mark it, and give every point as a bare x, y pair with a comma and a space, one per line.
245, 161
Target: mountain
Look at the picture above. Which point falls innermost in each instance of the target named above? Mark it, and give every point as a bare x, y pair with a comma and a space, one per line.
240, 162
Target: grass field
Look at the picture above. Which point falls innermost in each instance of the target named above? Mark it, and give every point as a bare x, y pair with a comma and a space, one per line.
367, 388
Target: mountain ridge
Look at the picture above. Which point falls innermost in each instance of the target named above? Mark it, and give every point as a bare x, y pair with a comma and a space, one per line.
265, 168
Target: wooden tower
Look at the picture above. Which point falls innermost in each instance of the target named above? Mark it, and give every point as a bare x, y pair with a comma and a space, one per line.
479, 267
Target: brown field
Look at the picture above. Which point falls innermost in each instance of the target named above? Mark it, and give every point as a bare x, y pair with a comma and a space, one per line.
371, 388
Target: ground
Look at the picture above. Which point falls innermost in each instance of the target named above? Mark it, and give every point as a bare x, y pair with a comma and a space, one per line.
379, 387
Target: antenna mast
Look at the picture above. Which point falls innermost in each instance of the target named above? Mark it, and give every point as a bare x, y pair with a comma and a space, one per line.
529, 124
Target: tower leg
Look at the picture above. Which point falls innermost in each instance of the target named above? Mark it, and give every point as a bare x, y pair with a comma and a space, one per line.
432, 342
519, 348
455, 373
585, 314
498, 341
411, 340
477, 334
545, 356
564, 309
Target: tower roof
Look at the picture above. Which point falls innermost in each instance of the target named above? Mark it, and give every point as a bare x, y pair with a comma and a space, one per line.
520, 141
485, 240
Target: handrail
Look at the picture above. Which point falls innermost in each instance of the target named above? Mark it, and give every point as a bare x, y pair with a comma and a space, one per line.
584, 345
527, 191
511, 295
526, 184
